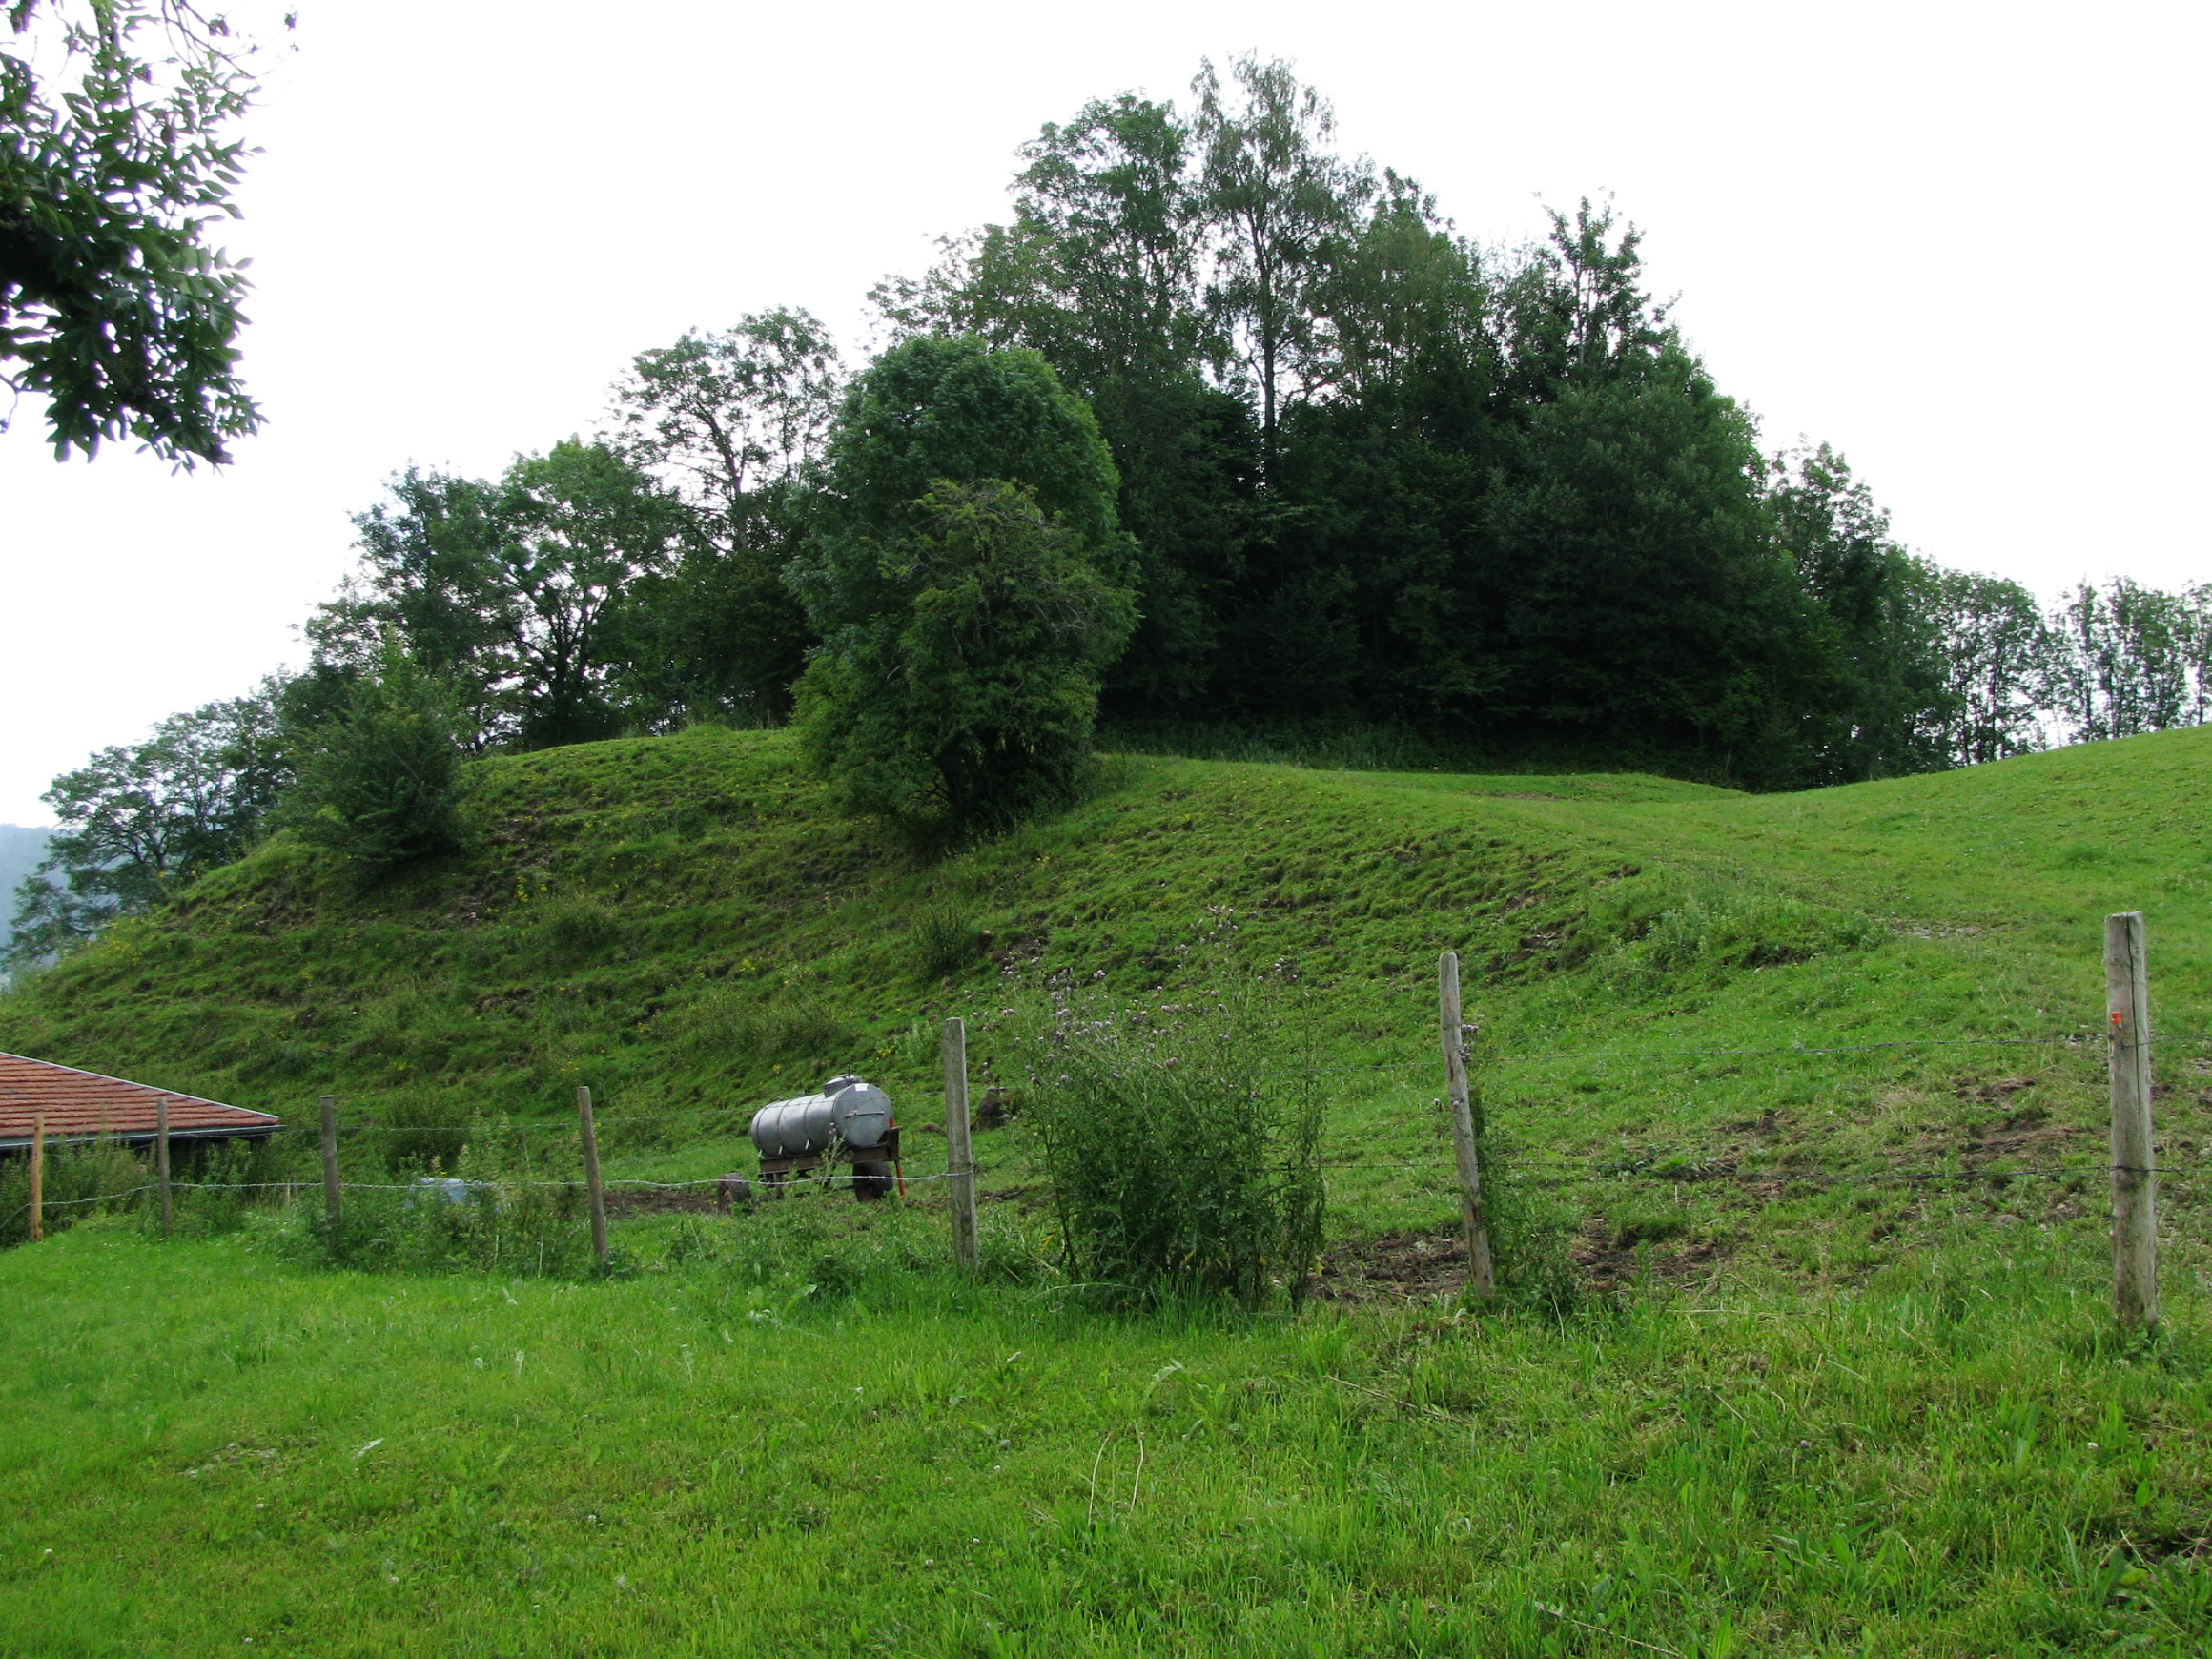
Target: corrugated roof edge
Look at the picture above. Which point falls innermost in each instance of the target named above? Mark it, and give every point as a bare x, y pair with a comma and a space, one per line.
263, 1124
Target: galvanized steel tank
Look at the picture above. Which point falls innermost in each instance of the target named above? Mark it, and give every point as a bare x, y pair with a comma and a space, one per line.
856, 1112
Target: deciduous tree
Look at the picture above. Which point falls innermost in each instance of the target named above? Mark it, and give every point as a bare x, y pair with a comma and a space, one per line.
138, 822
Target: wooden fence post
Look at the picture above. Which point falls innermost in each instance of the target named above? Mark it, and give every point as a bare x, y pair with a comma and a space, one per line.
37, 1177
330, 1186
161, 1157
1479, 1278
959, 1150
2134, 1181
592, 1172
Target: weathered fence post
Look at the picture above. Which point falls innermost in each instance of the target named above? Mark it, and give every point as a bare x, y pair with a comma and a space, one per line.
1479, 1278
37, 1177
330, 1186
592, 1172
2134, 1181
161, 1157
959, 1150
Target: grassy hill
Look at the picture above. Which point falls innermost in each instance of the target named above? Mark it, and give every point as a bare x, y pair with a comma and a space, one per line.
681, 923
1791, 1072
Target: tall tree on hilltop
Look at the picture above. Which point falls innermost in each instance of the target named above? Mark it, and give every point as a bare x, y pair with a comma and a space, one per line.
2126, 659
735, 424
1101, 274
1879, 609
1282, 204
1995, 655
969, 584
1407, 304
513, 592
1576, 309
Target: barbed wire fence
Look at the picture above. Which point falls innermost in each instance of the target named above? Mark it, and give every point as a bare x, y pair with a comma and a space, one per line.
2132, 1167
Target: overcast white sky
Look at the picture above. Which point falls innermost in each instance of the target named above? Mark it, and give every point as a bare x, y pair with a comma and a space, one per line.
1965, 243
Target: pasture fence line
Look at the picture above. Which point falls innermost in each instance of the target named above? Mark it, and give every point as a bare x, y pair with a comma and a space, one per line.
2135, 1195
589, 1134
2132, 1167
959, 1147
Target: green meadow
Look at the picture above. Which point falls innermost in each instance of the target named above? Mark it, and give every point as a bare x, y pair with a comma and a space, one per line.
1794, 1102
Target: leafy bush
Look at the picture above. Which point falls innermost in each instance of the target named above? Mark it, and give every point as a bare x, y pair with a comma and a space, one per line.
1531, 1238
219, 1186
419, 1132
1182, 1141
958, 685
79, 1180
970, 585
382, 784
516, 1213
574, 931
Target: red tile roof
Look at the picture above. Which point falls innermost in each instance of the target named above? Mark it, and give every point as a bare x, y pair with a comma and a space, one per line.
84, 1103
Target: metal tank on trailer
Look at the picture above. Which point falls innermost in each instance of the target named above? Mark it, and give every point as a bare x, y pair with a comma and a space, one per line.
848, 1120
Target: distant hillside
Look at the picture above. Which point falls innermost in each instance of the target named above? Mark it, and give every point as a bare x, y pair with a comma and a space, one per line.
20, 851
683, 923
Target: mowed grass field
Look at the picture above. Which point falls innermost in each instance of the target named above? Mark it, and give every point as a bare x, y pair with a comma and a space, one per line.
206, 1452
1843, 1378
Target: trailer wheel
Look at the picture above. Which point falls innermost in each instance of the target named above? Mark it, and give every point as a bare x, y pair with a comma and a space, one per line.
871, 1182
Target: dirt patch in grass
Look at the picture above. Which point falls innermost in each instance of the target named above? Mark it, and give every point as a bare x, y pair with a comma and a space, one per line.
659, 1200
1393, 1267
1606, 1262
1413, 1266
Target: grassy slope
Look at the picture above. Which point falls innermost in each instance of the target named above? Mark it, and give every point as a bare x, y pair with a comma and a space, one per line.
1868, 1429
682, 923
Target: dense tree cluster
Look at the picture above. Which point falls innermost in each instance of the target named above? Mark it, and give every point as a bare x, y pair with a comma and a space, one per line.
1221, 426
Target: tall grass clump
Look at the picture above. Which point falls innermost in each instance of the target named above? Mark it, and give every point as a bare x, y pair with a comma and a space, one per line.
419, 1132
945, 939
1664, 930
506, 1209
1181, 1137
80, 1180
1532, 1234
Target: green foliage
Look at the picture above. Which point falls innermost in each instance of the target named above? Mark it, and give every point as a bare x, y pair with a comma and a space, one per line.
1669, 931
418, 1134
945, 938
138, 822
1283, 205
1381, 474
1532, 1225
502, 1208
1878, 626
82, 1179
382, 786
735, 422
114, 307
1181, 1138
2124, 658
517, 593
1995, 655
965, 697
931, 410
